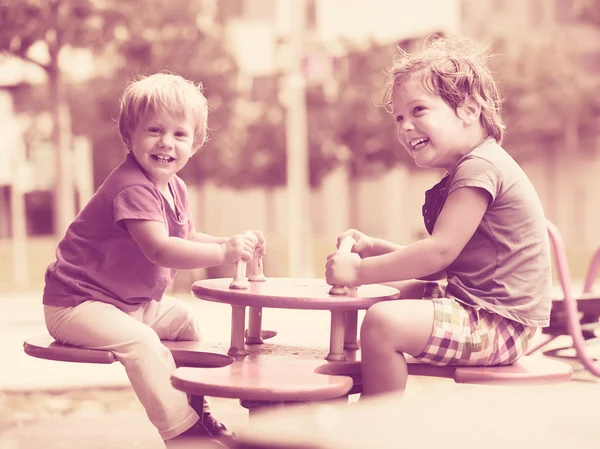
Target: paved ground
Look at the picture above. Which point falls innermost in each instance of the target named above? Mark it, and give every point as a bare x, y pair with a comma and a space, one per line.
59, 405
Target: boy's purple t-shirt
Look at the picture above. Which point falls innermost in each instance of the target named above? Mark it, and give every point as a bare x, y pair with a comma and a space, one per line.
98, 259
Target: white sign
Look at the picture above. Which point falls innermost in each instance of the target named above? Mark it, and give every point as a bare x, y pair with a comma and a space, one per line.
320, 66
4, 167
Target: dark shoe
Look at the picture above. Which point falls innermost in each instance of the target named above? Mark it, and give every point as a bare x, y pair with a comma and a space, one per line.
208, 426
265, 334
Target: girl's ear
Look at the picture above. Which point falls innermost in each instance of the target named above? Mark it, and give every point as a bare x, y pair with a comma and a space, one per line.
469, 111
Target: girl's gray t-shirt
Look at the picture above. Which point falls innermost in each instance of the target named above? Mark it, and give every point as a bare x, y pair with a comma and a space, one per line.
506, 266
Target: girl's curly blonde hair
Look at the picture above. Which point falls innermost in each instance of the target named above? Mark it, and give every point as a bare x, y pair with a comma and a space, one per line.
456, 70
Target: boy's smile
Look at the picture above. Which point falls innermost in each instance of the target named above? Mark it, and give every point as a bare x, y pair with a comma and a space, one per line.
162, 145
163, 158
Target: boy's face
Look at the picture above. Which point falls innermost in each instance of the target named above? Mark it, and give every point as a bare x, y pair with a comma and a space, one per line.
428, 128
162, 145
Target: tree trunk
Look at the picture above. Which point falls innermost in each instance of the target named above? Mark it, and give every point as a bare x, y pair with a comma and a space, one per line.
64, 194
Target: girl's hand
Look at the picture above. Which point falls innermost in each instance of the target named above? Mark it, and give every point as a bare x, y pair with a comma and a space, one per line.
364, 244
343, 269
261, 246
240, 246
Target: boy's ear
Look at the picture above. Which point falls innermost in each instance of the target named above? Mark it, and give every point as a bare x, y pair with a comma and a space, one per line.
469, 111
127, 141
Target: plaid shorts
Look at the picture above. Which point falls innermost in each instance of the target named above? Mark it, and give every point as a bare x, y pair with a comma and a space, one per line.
464, 335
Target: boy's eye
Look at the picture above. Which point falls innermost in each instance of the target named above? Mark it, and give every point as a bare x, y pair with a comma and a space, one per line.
399, 118
418, 109
154, 130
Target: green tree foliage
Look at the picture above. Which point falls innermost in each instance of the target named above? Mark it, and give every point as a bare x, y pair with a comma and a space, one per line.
546, 88
588, 11
326, 149
254, 154
160, 36
346, 122
56, 23
345, 118
365, 125
128, 38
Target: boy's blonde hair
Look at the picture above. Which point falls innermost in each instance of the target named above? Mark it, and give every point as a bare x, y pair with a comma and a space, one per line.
168, 92
456, 70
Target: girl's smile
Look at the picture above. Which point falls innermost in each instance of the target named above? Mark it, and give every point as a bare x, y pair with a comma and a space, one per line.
433, 133
417, 144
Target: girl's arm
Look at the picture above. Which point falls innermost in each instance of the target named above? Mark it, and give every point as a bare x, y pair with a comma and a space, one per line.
381, 247
456, 224
173, 252
435, 276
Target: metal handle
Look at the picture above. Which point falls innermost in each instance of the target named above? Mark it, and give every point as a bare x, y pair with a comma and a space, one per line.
346, 247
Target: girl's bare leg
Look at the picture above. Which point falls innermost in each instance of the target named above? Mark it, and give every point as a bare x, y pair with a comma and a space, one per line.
411, 289
389, 330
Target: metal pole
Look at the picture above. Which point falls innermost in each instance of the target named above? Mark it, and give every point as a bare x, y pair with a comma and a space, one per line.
298, 186
19, 220
65, 186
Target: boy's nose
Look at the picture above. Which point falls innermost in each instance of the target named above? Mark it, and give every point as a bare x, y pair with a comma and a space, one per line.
166, 141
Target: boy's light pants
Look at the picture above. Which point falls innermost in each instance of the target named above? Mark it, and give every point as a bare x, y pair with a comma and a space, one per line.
134, 338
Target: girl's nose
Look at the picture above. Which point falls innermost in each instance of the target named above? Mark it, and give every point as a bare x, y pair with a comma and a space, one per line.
405, 125
403, 128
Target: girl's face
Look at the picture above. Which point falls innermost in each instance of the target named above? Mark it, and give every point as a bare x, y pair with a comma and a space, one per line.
429, 129
162, 145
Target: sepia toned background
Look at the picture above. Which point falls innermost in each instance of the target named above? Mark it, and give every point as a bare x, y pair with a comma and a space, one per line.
298, 146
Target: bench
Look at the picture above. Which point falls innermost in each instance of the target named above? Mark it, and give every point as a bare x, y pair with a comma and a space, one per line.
259, 380
577, 316
271, 375
528, 370
275, 379
185, 353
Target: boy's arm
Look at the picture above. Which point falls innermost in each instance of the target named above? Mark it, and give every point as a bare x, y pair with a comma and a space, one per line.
456, 224
173, 252
200, 237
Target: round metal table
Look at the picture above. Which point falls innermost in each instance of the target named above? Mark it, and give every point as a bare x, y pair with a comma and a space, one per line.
292, 293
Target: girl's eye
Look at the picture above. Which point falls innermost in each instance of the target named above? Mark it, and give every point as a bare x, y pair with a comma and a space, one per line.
154, 130
418, 109
399, 118
181, 134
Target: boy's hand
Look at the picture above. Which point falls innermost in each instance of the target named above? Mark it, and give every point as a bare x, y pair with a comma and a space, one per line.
343, 269
240, 246
364, 244
261, 246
